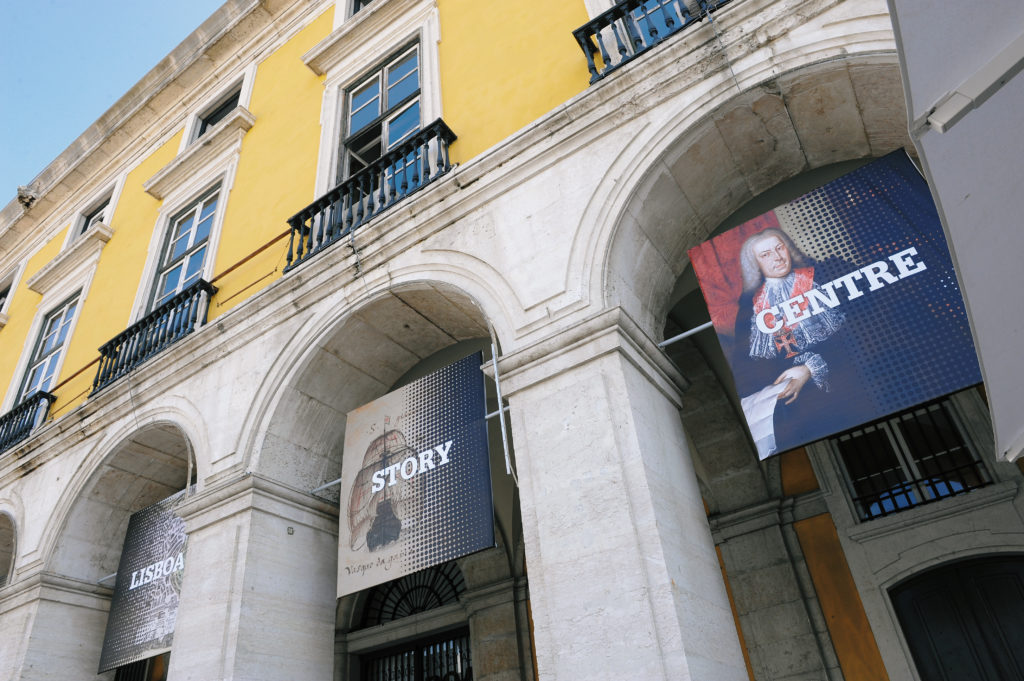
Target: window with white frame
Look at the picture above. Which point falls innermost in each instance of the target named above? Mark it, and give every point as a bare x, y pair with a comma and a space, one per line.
383, 110
49, 347
912, 458
93, 216
185, 247
218, 112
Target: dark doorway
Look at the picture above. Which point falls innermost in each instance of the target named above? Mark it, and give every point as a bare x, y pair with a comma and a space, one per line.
965, 621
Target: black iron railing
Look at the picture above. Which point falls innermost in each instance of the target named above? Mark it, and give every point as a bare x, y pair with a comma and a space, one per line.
410, 166
916, 457
17, 424
632, 27
161, 328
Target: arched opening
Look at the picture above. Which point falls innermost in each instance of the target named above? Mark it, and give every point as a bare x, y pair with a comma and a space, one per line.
154, 463
965, 620
399, 336
766, 146
6, 549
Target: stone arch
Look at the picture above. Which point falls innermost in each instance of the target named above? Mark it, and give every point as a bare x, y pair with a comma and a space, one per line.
346, 358
708, 164
353, 356
150, 463
8, 548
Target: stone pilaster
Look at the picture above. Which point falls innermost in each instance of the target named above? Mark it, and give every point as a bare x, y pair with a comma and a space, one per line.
258, 595
624, 580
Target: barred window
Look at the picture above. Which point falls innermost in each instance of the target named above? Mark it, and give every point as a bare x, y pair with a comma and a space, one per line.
915, 457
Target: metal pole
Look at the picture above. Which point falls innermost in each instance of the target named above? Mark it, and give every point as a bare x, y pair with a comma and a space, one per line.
686, 334
332, 483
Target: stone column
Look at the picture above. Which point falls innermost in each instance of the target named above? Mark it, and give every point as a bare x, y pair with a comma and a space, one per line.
51, 627
258, 595
624, 580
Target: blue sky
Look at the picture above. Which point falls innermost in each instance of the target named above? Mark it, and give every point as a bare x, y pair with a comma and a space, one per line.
65, 62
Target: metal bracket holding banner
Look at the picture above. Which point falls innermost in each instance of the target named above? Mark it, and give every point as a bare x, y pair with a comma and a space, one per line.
500, 413
685, 334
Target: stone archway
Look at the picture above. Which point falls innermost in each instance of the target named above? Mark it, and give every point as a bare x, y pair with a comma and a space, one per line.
798, 121
395, 337
147, 466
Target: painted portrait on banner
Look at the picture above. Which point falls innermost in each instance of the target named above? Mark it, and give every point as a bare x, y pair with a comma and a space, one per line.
415, 480
839, 307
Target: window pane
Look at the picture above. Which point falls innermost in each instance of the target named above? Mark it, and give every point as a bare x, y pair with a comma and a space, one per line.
364, 106
170, 283
195, 267
203, 228
403, 79
404, 124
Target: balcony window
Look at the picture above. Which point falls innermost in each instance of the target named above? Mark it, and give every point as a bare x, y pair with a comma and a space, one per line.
185, 249
916, 457
383, 110
48, 350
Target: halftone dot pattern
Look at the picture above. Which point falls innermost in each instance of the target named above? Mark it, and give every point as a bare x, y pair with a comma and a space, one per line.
455, 515
916, 344
430, 517
141, 620
909, 340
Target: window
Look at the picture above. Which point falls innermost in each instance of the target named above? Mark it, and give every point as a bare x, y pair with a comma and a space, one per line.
5, 293
383, 110
96, 215
46, 357
185, 250
218, 112
359, 4
913, 458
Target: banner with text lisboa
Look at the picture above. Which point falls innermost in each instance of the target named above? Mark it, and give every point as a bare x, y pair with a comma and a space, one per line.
144, 607
415, 479
838, 308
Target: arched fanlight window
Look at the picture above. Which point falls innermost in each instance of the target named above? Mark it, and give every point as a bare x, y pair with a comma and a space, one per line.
411, 594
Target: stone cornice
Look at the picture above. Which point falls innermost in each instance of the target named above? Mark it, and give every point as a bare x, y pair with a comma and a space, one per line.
86, 247
253, 491
225, 136
369, 31
607, 332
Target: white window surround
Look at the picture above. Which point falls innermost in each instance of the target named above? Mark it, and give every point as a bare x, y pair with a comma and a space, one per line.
224, 140
110, 194
345, 56
212, 161
73, 281
9, 280
242, 83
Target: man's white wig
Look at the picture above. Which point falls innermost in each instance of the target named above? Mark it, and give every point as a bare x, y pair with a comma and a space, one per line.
752, 277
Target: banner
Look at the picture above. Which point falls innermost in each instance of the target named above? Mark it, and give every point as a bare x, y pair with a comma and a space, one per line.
145, 603
415, 479
838, 308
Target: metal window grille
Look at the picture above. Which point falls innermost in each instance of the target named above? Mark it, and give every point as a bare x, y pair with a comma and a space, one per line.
916, 457
411, 594
445, 658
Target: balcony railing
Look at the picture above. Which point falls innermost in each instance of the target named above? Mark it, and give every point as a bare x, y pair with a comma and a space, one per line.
158, 330
17, 424
632, 27
410, 166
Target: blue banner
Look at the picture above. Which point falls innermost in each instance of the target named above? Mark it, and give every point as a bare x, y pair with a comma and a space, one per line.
838, 308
